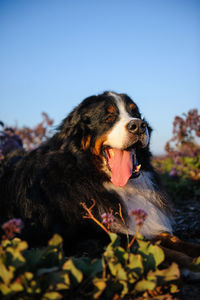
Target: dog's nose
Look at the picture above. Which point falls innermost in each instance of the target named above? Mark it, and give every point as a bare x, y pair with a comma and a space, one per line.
136, 126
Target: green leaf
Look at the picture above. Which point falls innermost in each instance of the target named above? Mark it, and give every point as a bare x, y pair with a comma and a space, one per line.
52, 296
6, 274
87, 267
196, 265
14, 252
34, 257
16, 255
71, 268
117, 270
5, 290
152, 255
115, 239
66, 279
135, 267
56, 240
61, 286
172, 273
28, 275
135, 263
158, 254
165, 275
57, 280
121, 254
100, 285
115, 242
6, 243
139, 237
125, 289
19, 244
121, 273
144, 285
16, 287
174, 289
116, 258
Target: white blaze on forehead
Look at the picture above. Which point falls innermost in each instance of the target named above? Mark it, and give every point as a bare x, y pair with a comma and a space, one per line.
118, 135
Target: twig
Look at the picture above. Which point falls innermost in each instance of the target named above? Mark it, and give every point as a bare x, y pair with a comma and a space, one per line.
90, 215
122, 218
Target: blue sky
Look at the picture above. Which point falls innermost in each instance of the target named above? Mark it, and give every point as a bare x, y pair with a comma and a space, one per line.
54, 53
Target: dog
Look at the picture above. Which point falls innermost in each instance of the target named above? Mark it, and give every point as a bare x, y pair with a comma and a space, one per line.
100, 153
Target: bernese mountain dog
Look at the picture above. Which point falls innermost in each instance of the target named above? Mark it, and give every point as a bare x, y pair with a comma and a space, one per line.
99, 154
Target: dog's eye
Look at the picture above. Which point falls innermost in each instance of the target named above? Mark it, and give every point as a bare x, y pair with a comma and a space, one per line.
110, 118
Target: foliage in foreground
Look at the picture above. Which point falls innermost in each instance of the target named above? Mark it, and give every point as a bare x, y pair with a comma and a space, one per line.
46, 274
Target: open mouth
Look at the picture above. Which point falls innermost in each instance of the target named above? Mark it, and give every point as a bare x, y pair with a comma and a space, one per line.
123, 165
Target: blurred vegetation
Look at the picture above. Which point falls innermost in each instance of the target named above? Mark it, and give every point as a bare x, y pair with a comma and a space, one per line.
25, 138
180, 168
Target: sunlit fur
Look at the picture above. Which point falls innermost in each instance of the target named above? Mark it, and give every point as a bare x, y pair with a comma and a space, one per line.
119, 137
140, 193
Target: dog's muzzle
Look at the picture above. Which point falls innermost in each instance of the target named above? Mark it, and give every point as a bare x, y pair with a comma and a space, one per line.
137, 126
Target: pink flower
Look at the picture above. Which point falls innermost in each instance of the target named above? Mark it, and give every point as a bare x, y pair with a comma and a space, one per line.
11, 227
108, 219
173, 172
140, 216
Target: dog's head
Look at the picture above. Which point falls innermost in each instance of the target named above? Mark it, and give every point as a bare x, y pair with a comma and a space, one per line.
109, 126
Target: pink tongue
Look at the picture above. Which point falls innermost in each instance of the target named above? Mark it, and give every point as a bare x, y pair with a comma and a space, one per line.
120, 163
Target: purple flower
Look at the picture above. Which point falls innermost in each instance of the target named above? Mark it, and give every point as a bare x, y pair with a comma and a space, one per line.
11, 227
173, 172
140, 216
108, 219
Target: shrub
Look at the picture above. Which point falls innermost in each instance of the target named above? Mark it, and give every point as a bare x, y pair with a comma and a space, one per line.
46, 274
132, 272
185, 129
25, 138
184, 155
180, 168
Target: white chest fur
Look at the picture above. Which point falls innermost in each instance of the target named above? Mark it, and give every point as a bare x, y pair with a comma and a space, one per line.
140, 193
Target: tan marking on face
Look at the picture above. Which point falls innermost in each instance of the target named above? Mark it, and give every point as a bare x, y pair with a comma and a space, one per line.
86, 142
98, 144
111, 109
132, 106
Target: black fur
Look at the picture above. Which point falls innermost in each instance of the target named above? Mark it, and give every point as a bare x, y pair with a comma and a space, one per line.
46, 186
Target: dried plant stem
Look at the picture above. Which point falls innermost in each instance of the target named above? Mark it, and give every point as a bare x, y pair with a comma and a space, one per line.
90, 216
134, 237
122, 218
132, 241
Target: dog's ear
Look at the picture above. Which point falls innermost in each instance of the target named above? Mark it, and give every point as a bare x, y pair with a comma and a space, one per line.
66, 129
73, 128
69, 122
77, 115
